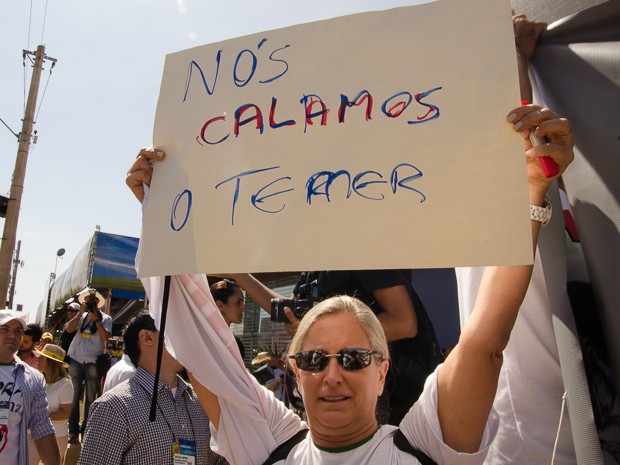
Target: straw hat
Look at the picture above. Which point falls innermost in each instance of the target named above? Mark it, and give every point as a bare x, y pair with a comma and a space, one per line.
261, 357
85, 295
53, 352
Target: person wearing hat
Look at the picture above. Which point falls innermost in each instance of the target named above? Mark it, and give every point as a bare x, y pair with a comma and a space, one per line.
276, 383
23, 403
66, 337
93, 328
59, 392
47, 338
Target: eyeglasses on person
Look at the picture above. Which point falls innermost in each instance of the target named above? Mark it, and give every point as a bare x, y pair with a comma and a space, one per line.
316, 361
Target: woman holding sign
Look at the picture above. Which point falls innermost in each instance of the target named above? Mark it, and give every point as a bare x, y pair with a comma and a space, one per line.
339, 355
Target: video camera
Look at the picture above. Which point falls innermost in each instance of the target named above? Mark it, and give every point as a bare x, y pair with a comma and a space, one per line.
91, 300
299, 307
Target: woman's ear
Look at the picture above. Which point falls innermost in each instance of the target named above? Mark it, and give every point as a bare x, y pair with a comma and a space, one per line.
219, 304
383, 369
293, 365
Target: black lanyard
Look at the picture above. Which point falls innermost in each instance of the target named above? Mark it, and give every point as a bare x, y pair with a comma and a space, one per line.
191, 424
92, 325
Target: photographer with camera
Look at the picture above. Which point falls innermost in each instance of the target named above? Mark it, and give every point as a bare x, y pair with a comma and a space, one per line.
93, 330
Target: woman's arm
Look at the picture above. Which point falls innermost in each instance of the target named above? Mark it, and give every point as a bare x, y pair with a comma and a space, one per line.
62, 414
260, 293
399, 318
468, 380
208, 400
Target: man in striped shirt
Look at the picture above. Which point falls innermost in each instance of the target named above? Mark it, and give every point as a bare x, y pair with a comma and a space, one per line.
23, 403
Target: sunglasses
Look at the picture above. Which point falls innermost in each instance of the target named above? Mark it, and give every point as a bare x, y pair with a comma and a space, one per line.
316, 361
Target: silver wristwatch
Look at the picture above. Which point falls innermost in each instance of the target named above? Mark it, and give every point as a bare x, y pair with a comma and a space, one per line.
542, 214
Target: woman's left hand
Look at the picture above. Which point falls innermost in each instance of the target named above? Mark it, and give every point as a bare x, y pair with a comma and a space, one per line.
556, 131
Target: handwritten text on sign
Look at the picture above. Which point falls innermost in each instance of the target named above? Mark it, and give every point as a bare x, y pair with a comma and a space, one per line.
307, 147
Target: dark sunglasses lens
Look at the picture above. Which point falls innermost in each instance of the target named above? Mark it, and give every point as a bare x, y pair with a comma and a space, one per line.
312, 360
349, 359
355, 359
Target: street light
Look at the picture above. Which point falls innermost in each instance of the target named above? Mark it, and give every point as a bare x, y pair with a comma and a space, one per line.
59, 254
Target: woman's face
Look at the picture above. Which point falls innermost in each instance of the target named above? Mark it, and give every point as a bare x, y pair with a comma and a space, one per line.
340, 403
232, 310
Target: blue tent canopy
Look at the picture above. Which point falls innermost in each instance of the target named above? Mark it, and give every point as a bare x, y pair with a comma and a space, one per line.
106, 262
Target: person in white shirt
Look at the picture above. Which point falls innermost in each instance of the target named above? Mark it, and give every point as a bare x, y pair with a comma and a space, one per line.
59, 395
120, 371
340, 357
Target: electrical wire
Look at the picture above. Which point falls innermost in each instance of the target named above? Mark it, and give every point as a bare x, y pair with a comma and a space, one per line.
24, 54
29, 26
44, 20
9, 128
44, 91
27, 55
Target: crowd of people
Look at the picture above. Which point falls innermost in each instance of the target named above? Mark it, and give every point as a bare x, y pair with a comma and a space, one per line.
388, 396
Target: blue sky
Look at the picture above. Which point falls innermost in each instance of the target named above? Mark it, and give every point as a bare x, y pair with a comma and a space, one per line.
97, 107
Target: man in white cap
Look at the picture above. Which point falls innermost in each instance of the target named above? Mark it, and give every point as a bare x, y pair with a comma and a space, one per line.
93, 328
23, 405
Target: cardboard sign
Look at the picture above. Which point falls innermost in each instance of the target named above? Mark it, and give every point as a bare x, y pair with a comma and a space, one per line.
377, 140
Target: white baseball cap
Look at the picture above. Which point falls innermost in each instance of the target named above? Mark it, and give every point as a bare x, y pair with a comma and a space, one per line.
8, 315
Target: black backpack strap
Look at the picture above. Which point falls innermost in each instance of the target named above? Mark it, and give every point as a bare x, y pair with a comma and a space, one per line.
400, 441
282, 451
403, 444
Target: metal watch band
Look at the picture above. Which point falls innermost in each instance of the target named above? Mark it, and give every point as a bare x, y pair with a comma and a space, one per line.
541, 214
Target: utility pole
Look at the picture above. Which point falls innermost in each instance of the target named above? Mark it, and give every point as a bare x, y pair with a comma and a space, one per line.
16, 263
17, 186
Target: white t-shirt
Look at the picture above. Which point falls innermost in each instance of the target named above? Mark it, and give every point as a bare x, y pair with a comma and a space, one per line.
10, 398
120, 371
60, 392
420, 426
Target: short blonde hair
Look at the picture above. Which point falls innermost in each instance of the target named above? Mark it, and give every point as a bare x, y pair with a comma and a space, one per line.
343, 305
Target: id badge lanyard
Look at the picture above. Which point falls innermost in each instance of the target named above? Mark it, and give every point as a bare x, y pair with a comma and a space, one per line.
184, 451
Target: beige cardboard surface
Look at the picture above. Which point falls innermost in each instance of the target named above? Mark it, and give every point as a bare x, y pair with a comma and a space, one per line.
267, 169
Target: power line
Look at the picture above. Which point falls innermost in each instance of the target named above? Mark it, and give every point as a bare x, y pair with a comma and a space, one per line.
44, 20
29, 27
49, 76
8, 127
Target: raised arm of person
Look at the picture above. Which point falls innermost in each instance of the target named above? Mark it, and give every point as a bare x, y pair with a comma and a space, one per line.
103, 332
260, 293
468, 380
398, 318
527, 33
72, 326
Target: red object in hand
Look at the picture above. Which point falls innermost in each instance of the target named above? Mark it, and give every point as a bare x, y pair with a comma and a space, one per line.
549, 167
